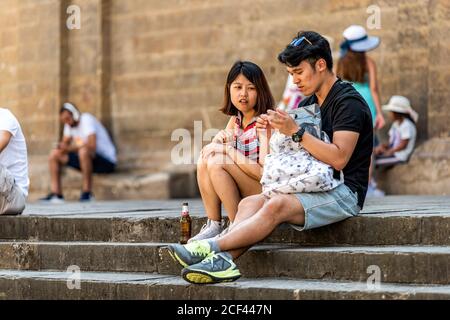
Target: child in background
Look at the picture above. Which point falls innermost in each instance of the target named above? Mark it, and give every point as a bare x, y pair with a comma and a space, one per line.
402, 135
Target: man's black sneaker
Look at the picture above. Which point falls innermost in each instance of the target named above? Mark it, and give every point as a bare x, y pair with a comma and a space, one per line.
87, 196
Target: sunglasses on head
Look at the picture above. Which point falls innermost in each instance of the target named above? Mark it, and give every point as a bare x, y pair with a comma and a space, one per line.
296, 42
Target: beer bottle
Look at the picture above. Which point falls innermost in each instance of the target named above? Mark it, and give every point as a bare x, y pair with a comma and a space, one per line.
185, 223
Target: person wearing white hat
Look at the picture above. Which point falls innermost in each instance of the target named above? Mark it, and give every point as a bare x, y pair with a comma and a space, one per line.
355, 66
402, 135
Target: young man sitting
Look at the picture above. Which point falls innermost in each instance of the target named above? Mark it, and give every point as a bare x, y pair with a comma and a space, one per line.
86, 146
347, 121
14, 180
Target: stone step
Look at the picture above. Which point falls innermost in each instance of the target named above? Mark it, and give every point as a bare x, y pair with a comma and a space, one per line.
122, 185
427, 172
120, 286
142, 176
147, 222
395, 264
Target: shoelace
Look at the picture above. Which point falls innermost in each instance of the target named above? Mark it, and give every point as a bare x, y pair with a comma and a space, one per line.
205, 226
199, 250
210, 258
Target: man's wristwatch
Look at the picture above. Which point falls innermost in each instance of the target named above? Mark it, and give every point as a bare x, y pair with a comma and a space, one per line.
298, 136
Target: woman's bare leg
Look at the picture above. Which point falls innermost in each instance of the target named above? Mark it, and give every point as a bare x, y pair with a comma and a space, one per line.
231, 184
210, 199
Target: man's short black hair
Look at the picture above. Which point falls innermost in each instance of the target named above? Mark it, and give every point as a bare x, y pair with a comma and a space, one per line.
311, 49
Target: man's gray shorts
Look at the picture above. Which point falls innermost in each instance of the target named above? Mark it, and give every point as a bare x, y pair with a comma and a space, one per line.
324, 208
12, 200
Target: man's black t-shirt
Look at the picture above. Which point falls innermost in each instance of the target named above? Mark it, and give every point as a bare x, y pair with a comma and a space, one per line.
344, 109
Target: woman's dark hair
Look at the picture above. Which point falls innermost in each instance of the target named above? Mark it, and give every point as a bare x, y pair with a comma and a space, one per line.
311, 49
255, 75
352, 67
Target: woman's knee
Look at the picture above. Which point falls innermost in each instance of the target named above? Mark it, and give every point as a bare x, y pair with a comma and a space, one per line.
249, 202
216, 162
202, 167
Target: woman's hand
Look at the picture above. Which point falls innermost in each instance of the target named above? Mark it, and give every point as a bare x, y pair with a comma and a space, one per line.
379, 121
262, 122
224, 136
214, 148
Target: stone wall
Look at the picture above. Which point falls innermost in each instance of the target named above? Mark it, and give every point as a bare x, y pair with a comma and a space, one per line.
30, 68
148, 67
30, 74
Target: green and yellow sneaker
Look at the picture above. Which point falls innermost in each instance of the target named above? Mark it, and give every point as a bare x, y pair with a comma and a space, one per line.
190, 253
215, 268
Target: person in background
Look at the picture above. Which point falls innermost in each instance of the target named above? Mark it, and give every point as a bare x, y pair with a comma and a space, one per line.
402, 134
291, 96
357, 67
85, 146
14, 181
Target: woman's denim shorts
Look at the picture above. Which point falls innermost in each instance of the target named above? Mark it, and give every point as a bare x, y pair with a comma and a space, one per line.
324, 208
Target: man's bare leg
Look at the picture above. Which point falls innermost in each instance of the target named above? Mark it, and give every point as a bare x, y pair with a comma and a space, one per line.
86, 168
56, 160
279, 209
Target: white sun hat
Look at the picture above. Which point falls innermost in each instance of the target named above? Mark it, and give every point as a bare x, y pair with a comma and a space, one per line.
357, 39
401, 104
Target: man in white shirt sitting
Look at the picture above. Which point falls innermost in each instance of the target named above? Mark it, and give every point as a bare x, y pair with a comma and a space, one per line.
86, 146
14, 180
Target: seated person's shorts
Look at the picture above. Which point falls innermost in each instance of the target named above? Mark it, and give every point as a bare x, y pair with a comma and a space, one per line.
100, 164
324, 208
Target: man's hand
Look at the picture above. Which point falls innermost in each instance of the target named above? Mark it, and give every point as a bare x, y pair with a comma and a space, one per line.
63, 147
5, 137
282, 121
